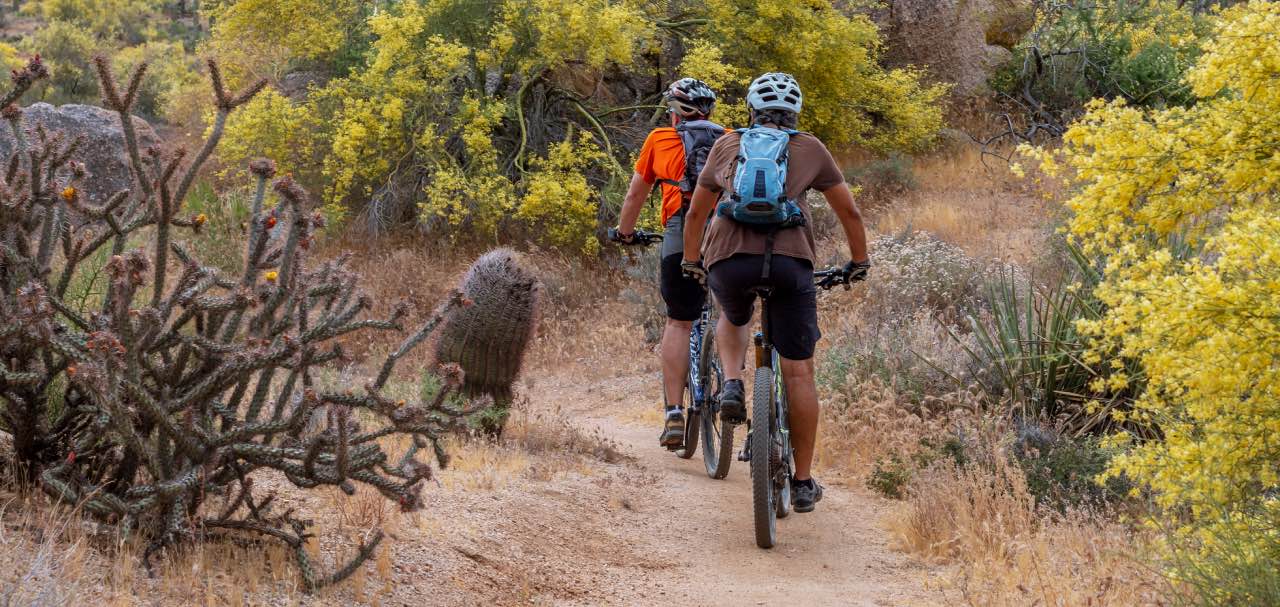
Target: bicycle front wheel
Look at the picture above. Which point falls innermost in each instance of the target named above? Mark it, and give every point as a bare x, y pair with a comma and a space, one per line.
692, 422
717, 435
762, 466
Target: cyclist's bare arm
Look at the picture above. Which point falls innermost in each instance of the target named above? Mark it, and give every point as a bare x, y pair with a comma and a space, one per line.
841, 201
631, 205
695, 221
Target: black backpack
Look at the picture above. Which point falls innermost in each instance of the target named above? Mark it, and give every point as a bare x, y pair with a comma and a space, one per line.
697, 136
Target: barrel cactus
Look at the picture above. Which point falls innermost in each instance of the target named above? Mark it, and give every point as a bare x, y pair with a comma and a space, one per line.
488, 338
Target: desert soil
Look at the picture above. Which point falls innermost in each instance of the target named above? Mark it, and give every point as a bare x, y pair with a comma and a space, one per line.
650, 529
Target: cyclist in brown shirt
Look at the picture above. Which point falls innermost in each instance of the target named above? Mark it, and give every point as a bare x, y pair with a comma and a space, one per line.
733, 254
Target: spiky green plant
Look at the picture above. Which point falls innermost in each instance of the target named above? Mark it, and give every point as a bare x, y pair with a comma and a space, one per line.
154, 402
488, 337
1035, 356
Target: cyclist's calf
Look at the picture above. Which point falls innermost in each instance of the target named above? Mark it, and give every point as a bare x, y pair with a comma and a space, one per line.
802, 402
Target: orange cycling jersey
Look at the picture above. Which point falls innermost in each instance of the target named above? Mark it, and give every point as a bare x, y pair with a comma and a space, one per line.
662, 157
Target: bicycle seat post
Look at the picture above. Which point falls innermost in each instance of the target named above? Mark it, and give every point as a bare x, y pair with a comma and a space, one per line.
763, 339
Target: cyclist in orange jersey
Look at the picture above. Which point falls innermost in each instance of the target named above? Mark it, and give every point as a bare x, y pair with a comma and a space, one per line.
672, 157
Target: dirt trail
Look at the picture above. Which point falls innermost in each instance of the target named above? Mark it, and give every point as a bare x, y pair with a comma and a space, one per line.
683, 538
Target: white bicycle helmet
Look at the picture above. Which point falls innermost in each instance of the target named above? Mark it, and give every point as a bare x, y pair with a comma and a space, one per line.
690, 97
775, 91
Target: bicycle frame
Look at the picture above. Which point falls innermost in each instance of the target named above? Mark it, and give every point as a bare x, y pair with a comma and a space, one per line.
697, 386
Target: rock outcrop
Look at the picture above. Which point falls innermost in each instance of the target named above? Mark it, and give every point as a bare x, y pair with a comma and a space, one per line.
102, 150
961, 42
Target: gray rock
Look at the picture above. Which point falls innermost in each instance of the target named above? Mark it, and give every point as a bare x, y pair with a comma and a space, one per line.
102, 151
298, 85
961, 42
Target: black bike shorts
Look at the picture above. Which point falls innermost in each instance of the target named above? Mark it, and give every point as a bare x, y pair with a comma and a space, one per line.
683, 296
793, 302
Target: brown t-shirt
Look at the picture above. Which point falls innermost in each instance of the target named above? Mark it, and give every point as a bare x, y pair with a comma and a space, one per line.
810, 166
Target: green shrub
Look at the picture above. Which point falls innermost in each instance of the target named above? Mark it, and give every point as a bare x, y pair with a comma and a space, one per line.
66, 49
890, 477
1110, 49
892, 174
1243, 568
1062, 472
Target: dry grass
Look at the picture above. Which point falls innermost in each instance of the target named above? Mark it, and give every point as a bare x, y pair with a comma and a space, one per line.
982, 519
984, 209
881, 402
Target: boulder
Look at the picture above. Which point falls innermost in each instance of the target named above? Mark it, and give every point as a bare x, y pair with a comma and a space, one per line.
102, 151
962, 42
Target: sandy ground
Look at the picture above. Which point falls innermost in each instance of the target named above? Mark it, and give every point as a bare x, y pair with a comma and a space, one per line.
701, 530
653, 529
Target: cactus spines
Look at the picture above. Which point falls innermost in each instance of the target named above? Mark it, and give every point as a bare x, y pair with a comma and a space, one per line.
154, 412
488, 338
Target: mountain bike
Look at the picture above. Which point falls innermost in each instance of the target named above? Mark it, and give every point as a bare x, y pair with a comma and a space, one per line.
768, 444
702, 393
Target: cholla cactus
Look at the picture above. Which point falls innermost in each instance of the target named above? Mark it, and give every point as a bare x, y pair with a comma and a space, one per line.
488, 338
154, 409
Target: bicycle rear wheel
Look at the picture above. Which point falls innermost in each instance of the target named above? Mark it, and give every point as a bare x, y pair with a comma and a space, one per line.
761, 437
782, 474
717, 435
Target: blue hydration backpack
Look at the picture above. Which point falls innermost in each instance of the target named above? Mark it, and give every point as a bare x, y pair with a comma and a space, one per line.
759, 197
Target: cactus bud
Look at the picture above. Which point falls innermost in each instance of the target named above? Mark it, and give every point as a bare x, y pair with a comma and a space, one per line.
271, 222
264, 168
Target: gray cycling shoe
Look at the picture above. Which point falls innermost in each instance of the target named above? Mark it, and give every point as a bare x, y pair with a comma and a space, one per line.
805, 494
672, 436
733, 398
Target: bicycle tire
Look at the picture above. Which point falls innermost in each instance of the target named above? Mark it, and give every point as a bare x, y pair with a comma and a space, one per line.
761, 436
782, 505
692, 422
717, 447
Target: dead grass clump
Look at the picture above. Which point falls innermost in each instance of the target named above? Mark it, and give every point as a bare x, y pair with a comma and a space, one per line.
974, 511
1077, 559
552, 434
868, 422
42, 554
981, 517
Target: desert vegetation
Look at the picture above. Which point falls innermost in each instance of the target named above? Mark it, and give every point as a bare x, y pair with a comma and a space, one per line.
333, 318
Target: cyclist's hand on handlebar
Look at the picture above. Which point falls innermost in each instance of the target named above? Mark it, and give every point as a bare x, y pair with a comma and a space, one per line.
856, 271
693, 270
616, 235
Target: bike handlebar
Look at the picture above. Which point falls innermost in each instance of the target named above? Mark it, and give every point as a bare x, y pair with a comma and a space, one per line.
638, 238
832, 277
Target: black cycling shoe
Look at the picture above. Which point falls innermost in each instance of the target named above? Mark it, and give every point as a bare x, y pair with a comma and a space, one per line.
805, 494
673, 434
732, 399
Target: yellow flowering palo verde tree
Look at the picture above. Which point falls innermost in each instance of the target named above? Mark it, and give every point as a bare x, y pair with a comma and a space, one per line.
517, 118
1184, 203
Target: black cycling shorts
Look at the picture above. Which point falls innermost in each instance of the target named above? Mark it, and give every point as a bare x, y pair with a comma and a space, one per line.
793, 302
683, 296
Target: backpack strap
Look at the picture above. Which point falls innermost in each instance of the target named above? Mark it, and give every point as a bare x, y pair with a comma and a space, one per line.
768, 254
